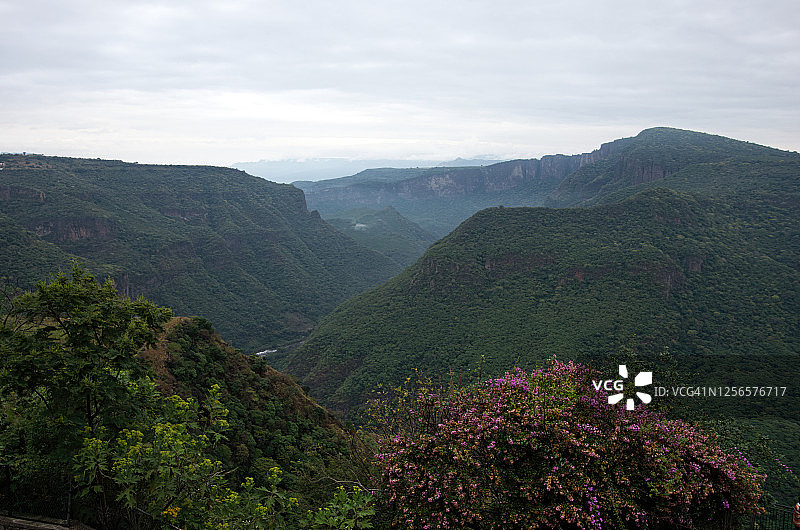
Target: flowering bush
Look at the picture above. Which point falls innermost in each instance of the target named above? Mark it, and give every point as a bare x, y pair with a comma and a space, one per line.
545, 450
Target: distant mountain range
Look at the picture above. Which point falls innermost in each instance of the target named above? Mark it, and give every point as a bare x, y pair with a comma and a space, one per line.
438, 199
312, 169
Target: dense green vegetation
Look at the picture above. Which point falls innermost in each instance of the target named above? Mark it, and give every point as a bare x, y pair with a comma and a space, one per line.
683, 258
660, 270
703, 263
652, 155
272, 421
25, 256
205, 241
154, 422
199, 436
385, 231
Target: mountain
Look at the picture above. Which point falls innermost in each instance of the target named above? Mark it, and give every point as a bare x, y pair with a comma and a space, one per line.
327, 168
385, 231
653, 155
710, 268
438, 199
206, 241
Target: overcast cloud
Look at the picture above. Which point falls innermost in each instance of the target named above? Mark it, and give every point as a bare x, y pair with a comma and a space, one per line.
224, 81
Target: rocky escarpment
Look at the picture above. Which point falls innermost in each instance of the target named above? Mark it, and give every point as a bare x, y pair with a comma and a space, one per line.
554, 180
440, 198
490, 179
451, 182
605, 151
8, 193
58, 230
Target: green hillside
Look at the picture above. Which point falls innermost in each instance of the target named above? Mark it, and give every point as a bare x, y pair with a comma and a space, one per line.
24, 255
272, 420
512, 286
712, 281
205, 241
385, 231
127, 418
653, 155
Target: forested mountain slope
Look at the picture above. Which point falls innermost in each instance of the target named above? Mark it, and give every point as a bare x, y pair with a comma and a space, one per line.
386, 231
653, 155
205, 241
272, 420
511, 286
124, 417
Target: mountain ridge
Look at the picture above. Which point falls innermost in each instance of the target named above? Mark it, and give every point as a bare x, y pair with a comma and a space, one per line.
440, 198
312, 169
201, 240
652, 155
386, 231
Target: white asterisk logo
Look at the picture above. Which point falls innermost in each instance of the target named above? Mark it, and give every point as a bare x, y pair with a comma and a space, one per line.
641, 379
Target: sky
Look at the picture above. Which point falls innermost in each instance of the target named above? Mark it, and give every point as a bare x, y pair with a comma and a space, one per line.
225, 81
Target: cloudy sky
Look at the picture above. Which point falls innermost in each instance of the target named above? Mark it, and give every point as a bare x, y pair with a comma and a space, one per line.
225, 81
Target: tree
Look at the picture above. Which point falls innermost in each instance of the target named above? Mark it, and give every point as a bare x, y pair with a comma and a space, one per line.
79, 404
68, 369
71, 346
158, 469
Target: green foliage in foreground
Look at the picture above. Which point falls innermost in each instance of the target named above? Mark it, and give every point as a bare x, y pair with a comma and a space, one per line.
272, 421
159, 466
79, 405
79, 402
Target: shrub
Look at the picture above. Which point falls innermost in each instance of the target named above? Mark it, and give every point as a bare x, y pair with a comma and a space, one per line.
545, 450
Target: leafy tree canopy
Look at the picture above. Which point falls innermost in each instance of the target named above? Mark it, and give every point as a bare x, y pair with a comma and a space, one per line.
80, 410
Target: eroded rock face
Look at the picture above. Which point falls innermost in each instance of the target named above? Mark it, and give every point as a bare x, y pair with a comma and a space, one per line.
453, 182
8, 193
74, 229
